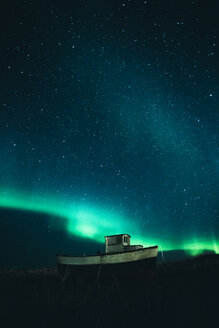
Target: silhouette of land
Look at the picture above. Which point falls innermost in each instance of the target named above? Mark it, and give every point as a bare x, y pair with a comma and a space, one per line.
179, 294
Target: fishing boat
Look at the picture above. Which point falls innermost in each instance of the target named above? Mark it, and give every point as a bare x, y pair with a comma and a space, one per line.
121, 260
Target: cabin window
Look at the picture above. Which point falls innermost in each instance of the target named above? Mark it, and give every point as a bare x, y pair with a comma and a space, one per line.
125, 239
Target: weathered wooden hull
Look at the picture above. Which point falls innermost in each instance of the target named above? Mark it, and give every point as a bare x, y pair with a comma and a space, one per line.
122, 267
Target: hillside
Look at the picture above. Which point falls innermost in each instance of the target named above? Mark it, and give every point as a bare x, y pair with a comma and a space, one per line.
180, 294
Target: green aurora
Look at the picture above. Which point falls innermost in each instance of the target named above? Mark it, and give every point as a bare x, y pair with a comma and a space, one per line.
91, 221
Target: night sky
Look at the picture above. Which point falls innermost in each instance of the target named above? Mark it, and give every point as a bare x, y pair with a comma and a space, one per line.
109, 119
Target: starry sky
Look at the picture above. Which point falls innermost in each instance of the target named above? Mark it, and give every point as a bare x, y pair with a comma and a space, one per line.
109, 118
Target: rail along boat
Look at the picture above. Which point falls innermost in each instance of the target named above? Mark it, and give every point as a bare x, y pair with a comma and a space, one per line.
121, 261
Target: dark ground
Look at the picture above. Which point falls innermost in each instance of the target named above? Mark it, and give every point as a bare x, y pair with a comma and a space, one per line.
180, 294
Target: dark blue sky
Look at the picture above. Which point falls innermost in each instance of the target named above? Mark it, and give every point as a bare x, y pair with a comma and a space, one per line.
113, 105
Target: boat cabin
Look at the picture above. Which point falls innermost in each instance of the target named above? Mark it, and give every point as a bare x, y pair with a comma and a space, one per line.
119, 243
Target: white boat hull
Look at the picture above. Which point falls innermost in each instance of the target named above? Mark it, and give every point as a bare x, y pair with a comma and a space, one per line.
124, 257
122, 265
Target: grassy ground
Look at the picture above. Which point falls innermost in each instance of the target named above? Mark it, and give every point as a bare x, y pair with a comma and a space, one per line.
183, 294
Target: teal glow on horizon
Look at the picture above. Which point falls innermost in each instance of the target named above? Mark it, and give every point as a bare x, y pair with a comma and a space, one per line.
91, 221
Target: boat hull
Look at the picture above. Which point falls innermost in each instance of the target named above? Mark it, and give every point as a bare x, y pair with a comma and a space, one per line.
122, 267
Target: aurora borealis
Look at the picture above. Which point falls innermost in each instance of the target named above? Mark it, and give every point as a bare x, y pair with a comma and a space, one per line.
93, 222
109, 118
